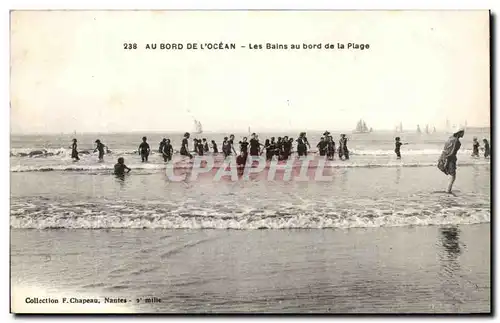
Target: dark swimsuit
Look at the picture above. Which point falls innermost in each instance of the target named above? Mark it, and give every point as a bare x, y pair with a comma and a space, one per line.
100, 148
398, 149
475, 149
144, 148
254, 147
74, 152
184, 151
167, 152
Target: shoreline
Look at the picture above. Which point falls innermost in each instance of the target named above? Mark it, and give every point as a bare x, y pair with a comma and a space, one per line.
421, 269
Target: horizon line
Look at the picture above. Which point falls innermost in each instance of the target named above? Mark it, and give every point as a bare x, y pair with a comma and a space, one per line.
216, 131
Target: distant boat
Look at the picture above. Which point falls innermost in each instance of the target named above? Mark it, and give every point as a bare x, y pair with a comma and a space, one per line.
427, 129
198, 127
399, 128
361, 127
249, 130
418, 129
434, 130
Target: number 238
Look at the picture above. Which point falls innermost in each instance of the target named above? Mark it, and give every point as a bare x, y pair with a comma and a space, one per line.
129, 46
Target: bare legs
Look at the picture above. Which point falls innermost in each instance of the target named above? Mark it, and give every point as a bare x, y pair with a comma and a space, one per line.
452, 180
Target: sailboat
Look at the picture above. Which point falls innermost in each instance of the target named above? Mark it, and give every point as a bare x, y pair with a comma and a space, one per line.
197, 126
399, 128
434, 130
418, 129
361, 127
427, 129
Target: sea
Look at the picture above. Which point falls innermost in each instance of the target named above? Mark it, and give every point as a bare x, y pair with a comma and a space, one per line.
380, 236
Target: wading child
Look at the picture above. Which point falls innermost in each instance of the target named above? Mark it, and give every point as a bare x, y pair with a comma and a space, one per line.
398, 147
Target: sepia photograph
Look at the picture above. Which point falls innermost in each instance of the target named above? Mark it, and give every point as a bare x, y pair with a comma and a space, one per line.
250, 161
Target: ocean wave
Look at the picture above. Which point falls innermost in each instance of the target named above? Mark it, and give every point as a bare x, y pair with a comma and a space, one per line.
65, 153
144, 167
53, 215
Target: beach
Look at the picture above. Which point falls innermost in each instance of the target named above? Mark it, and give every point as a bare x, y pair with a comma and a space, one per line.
379, 236
420, 269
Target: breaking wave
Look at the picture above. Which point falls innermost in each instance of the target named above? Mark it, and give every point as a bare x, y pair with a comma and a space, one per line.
189, 165
66, 153
169, 215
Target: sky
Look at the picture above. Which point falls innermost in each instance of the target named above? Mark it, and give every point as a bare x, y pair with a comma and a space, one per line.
70, 71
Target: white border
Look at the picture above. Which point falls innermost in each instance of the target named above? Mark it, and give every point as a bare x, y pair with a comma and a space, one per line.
5, 5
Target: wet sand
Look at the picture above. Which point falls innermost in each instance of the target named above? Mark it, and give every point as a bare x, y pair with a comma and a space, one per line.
420, 269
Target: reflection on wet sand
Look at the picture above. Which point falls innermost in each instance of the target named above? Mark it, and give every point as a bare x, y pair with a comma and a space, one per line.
398, 175
449, 253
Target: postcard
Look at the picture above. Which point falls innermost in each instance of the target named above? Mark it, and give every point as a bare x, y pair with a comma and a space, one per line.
250, 161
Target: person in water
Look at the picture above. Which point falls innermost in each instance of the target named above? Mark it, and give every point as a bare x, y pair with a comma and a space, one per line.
162, 143
195, 145
330, 147
447, 162
231, 142
322, 145
214, 147
120, 167
167, 151
254, 145
267, 147
226, 147
271, 148
100, 148
144, 149
343, 151
205, 145
184, 147
244, 147
74, 151
241, 160
199, 147
475, 147
286, 148
397, 150
302, 144
278, 148
486, 148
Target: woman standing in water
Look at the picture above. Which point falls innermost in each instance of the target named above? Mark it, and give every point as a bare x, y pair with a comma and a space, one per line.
144, 149
167, 151
343, 151
475, 147
447, 163
269, 149
486, 148
100, 147
287, 148
74, 151
226, 147
214, 147
184, 148
330, 147
244, 146
302, 144
254, 145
